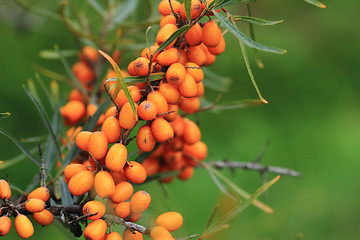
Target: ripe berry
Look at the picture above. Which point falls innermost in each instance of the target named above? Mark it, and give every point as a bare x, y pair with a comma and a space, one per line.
167, 19
168, 57
139, 202
151, 165
197, 55
34, 205
172, 221
189, 105
164, 33
5, 191
135, 172
23, 226
116, 157
128, 235
122, 209
40, 193
96, 230
127, 118
211, 34
81, 183
146, 53
170, 93
195, 9
5, 225
147, 110
162, 130
159, 101
165, 9
145, 139
44, 217
160, 232
178, 126
94, 207
175, 73
121, 98
193, 36
195, 71
111, 128
188, 88
82, 140
191, 133
72, 169
104, 184
98, 145
186, 173
197, 150
141, 66
219, 49
73, 112
113, 236
123, 191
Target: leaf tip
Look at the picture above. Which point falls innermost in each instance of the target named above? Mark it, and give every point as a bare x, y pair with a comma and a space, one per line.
263, 100
322, 5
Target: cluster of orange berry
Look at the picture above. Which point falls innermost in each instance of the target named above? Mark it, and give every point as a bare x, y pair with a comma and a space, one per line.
34, 204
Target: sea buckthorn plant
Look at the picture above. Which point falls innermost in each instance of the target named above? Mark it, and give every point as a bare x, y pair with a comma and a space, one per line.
121, 127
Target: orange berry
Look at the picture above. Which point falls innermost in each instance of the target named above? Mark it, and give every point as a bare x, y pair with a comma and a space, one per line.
89, 53
165, 168
121, 98
91, 109
176, 73
131, 68
197, 150
111, 112
168, 57
159, 231
116, 157
178, 126
111, 128
186, 173
76, 95
5, 191
98, 145
123, 191
183, 58
165, 9
94, 207
128, 235
195, 71
135, 172
81, 183
146, 53
159, 101
174, 160
44, 217
40, 193
145, 139
219, 49
141, 66
162, 130
72, 169
210, 58
175, 111
82, 140
113, 236
197, 55
170, 93
195, 9
73, 112
139, 202
96, 230
134, 217
147, 110
5, 225
200, 89
118, 176
123, 209
23, 226
167, 19
165, 32
191, 133
172, 221
83, 72
188, 88
193, 36
211, 34
104, 184
34, 205
127, 117
176, 144
151, 165
189, 105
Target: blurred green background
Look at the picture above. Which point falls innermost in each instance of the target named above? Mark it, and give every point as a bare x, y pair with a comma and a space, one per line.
311, 120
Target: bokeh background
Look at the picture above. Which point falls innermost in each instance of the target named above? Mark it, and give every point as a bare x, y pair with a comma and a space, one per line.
311, 120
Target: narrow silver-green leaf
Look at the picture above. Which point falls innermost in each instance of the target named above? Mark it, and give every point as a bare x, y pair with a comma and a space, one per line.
66, 198
223, 3
4, 115
256, 21
95, 5
32, 89
140, 79
20, 146
215, 81
316, 3
120, 83
173, 36
236, 105
46, 91
12, 161
187, 4
45, 120
243, 38
54, 55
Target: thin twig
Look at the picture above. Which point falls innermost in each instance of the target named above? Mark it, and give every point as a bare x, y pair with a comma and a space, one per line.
42, 174
130, 225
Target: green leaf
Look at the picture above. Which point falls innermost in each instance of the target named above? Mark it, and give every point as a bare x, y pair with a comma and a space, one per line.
120, 14
215, 81
223, 3
251, 75
42, 12
12, 161
237, 191
68, 70
66, 198
54, 87
187, 4
120, 84
316, 3
243, 205
243, 38
95, 5
256, 21
48, 95
4, 115
34, 93
20, 146
140, 79
173, 36
45, 120
54, 55
236, 105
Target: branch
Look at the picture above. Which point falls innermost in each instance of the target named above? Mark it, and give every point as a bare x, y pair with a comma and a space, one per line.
130, 225
254, 166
